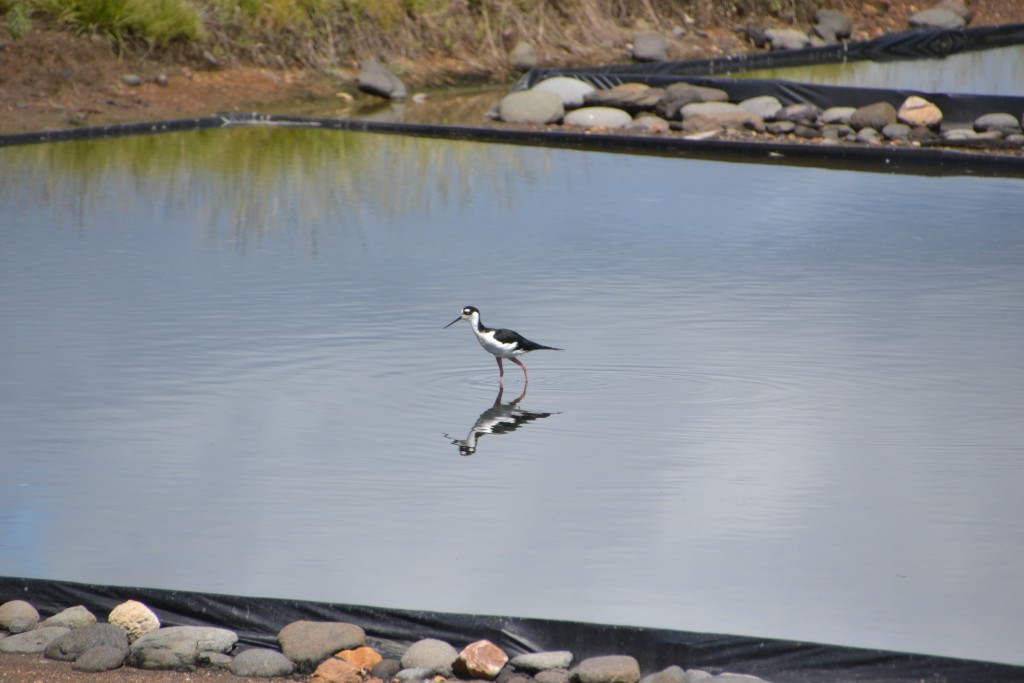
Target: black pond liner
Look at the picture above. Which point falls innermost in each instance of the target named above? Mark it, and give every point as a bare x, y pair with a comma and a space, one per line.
913, 44
909, 160
258, 620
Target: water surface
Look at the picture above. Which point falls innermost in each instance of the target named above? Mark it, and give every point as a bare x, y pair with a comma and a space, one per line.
789, 404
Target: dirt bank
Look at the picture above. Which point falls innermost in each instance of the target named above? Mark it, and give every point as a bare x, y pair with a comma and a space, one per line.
51, 78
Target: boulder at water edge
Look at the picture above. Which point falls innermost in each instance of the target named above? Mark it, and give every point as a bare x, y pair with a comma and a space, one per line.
307, 643
179, 648
528, 106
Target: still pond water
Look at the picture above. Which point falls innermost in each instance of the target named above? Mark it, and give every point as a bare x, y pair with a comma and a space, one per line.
789, 405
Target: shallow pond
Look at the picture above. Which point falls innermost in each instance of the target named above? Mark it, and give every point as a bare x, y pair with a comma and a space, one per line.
789, 404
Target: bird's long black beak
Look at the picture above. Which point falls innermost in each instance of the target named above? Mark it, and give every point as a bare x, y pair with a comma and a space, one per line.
452, 323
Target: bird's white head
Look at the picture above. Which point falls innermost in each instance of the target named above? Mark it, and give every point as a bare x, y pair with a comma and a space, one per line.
469, 313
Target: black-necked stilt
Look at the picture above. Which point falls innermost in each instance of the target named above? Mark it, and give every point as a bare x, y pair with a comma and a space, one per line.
500, 343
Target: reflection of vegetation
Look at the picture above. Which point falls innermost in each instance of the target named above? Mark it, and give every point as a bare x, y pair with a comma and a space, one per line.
257, 179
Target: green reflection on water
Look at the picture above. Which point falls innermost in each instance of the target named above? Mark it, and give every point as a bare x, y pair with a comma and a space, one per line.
252, 180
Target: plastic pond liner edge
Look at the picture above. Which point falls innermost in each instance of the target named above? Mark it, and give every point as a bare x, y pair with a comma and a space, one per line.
871, 158
258, 620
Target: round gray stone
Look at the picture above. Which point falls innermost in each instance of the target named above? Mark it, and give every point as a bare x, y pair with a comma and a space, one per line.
432, 654
179, 648
607, 669
261, 663
17, 616
102, 658
307, 643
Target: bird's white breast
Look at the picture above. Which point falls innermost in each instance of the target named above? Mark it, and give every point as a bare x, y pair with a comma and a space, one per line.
494, 346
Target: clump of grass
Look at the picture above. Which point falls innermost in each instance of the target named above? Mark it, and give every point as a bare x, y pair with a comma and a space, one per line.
154, 22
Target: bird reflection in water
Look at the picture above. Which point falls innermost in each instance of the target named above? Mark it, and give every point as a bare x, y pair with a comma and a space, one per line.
500, 418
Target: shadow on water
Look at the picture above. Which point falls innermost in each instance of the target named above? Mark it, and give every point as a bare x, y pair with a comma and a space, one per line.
500, 418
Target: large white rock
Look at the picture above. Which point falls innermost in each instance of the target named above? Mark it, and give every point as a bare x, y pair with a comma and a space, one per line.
598, 117
917, 111
570, 90
528, 106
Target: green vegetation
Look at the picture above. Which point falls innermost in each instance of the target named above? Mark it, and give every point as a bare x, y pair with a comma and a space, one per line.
325, 33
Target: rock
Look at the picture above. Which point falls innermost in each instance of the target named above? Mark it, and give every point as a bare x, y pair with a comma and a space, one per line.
531, 107
780, 127
648, 123
917, 111
480, 660
802, 130
650, 46
307, 643
179, 648
787, 38
631, 97
598, 117
386, 669
552, 676
571, 91
363, 658
510, 675
18, 616
678, 95
896, 131
838, 131
956, 7
72, 617
261, 662
798, 113
957, 134
162, 80
832, 22
735, 678
837, 115
32, 642
1007, 124
607, 669
869, 136
374, 78
708, 116
765, 106
430, 653
921, 134
73, 644
215, 660
416, 674
131, 80
936, 17
877, 116
101, 658
673, 674
336, 670
757, 35
135, 618
542, 661
522, 57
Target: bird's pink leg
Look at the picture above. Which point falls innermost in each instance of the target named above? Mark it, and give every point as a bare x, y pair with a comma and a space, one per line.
501, 368
516, 361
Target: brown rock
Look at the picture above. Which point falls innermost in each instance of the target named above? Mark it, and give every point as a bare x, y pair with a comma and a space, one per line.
482, 659
336, 670
363, 658
877, 116
917, 111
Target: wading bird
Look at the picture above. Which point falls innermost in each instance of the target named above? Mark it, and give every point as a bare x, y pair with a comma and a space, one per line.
500, 343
